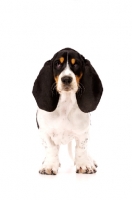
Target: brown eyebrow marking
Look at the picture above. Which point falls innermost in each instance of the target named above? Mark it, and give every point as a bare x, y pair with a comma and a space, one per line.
61, 59
73, 61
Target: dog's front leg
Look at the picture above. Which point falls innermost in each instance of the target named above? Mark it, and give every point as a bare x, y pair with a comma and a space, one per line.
84, 163
50, 164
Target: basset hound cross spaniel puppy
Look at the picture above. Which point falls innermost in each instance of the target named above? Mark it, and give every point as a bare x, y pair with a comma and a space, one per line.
66, 90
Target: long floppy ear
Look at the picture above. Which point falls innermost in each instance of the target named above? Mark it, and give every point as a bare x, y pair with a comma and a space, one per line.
42, 89
92, 89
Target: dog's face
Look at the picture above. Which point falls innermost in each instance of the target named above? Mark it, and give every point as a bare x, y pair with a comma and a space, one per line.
67, 70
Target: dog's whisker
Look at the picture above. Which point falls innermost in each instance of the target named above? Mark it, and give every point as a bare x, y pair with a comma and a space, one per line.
82, 86
53, 89
79, 93
81, 89
53, 85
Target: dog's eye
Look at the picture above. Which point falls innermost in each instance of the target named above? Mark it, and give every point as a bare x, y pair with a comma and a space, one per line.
58, 65
75, 66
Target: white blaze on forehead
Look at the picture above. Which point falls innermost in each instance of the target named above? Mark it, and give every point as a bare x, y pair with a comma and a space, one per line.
67, 71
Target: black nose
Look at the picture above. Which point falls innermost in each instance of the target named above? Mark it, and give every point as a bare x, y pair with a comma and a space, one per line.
66, 80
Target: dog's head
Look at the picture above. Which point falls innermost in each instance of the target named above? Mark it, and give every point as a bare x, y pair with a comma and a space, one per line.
68, 71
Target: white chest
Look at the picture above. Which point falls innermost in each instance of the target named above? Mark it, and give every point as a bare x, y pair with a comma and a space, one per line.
66, 122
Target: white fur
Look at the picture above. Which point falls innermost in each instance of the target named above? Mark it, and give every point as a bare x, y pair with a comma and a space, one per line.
65, 123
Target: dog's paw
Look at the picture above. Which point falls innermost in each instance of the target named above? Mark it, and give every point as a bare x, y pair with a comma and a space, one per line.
48, 171
85, 165
50, 167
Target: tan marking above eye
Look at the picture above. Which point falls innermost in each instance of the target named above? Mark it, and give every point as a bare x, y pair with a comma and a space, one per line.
61, 59
73, 61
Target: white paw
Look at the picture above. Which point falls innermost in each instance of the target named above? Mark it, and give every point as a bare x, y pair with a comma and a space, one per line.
85, 165
50, 167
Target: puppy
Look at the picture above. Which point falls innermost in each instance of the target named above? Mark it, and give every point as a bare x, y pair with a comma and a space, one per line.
66, 90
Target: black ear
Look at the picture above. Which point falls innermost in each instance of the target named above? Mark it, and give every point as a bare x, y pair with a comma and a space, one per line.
92, 89
42, 89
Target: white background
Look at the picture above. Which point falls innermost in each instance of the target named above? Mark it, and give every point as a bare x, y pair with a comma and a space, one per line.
31, 32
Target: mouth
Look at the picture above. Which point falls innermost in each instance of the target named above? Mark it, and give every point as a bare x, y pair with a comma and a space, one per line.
67, 88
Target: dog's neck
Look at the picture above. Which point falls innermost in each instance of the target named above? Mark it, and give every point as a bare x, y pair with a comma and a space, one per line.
66, 102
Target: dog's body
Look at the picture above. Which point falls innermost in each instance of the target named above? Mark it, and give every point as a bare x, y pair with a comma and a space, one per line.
72, 90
